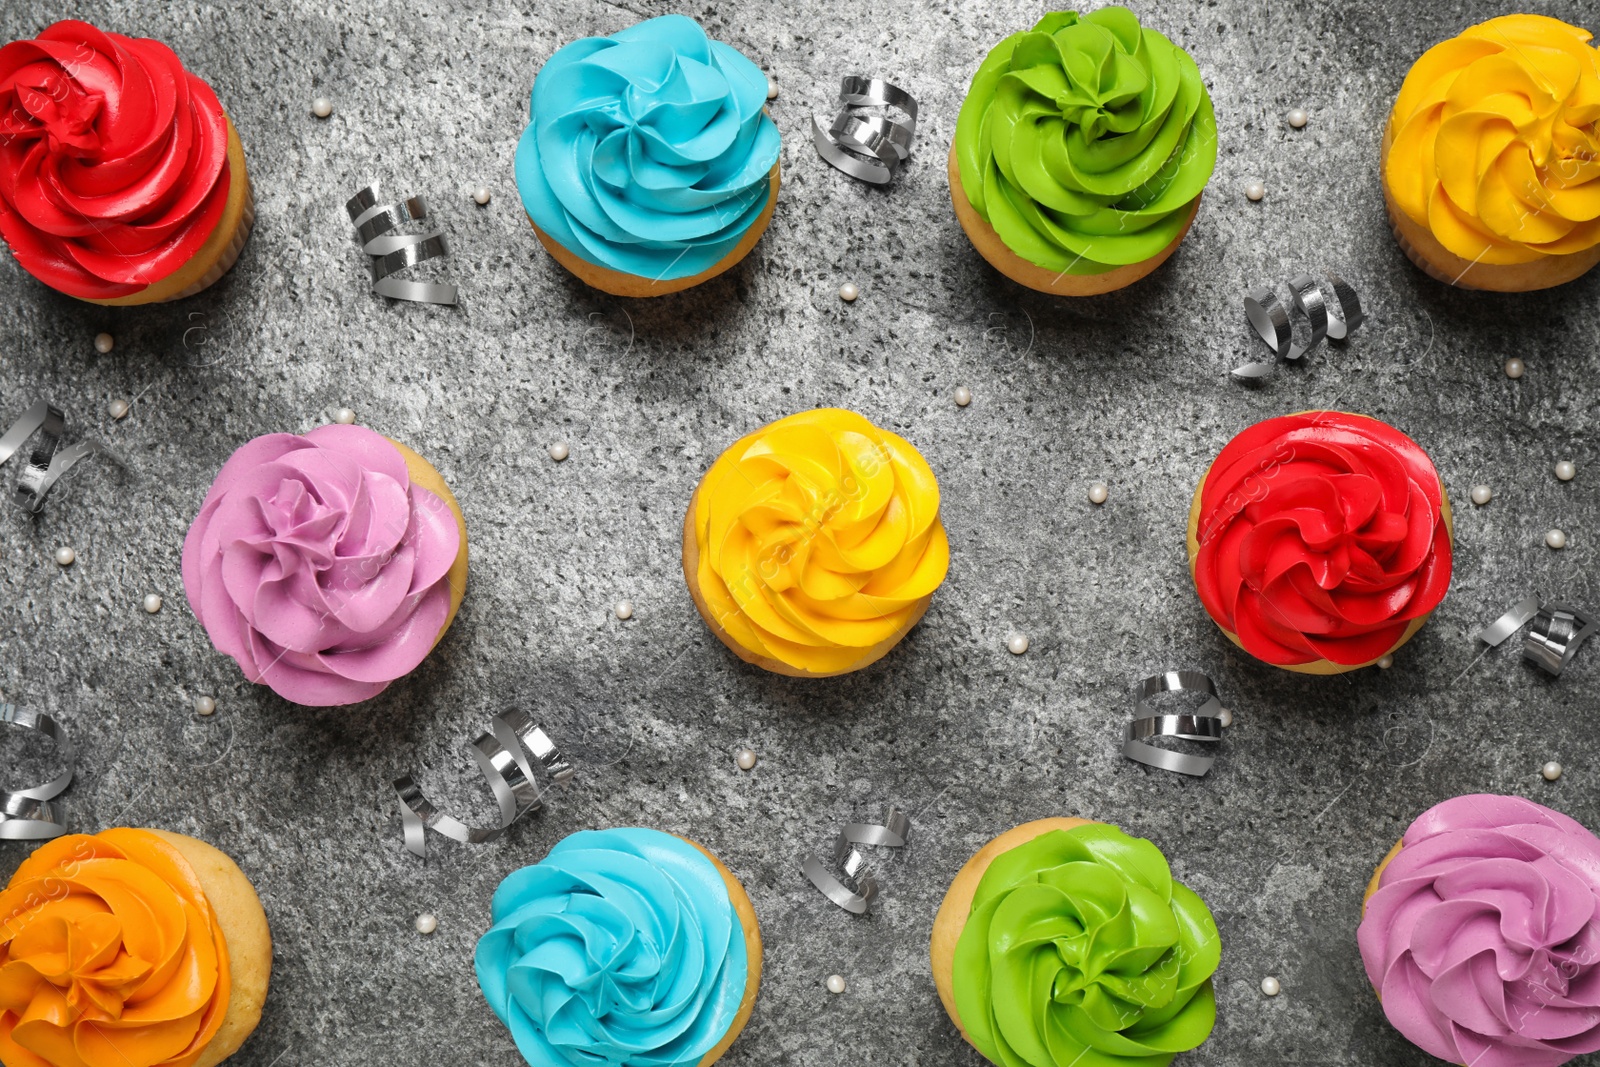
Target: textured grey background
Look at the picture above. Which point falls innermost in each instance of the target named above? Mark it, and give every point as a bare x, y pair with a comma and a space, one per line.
1316, 780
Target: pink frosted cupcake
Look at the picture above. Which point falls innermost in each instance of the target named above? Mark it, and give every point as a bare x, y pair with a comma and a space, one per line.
327, 565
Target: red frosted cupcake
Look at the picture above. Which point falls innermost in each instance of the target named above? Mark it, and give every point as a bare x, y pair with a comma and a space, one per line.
1320, 542
122, 181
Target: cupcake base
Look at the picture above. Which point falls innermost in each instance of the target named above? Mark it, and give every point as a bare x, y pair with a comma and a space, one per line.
423, 473
244, 925
992, 248
1443, 265
620, 283
752, 946
957, 905
221, 250
691, 575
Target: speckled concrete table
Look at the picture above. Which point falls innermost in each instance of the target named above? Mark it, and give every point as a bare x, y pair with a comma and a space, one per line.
1316, 779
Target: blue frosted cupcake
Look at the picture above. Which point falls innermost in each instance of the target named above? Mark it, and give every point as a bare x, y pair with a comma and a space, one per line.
630, 948
649, 165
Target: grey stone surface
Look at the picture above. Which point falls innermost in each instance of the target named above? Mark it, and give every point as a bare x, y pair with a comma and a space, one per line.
1316, 780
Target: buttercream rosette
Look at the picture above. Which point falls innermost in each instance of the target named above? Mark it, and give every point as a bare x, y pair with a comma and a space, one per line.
121, 179
814, 544
1492, 155
649, 156
322, 566
1480, 934
1321, 541
622, 947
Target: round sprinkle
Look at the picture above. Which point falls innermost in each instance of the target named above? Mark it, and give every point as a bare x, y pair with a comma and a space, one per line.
835, 983
104, 342
205, 706
322, 107
480, 195
1255, 191
1298, 118
624, 609
963, 396
118, 409
1566, 470
746, 758
1556, 539
1386, 661
1099, 493
1017, 643
772, 88
849, 291
65, 556
559, 451
1271, 986
426, 923
1481, 495
152, 603
1514, 368
1551, 771
344, 416
1225, 716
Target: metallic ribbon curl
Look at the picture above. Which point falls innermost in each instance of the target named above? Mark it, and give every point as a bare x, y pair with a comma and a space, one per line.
859, 888
1554, 638
505, 754
391, 252
29, 814
1334, 319
869, 147
1202, 724
47, 463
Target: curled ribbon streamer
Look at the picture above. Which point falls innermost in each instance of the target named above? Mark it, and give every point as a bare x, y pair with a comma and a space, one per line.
1202, 724
1553, 639
47, 463
28, 814
391, 252
866, 146
505, 753
858, 889
1334, 319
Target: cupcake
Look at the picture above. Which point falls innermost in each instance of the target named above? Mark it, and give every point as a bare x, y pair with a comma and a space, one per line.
1491, 157
327, 565
1480, 932
631, 948
649, 165
1320, 542
121, 179
813, 545
1081, 152
130, 948
1068, 942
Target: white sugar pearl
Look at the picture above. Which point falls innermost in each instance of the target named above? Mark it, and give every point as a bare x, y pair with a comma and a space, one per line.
152, 603
1386, 661
344, 416
1556, 539
1482, 494
426, 923
963, 396
1271, 986
104, 342
772, 88
205, 706
849, 291
1566, 470
559, 451
480, 195
65, 556
1099, 493
1255, 191
1514, 368
746, 758
1551, 771
624, 609
1225, 716
118, 409
322, 107
836, 983
1018, 644
1298, 118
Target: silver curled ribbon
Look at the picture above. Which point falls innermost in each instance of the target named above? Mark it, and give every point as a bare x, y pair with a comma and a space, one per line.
863, 140
32, 814
856, 891
47, 463
1552, 640
1332, 319
376, 224
506, 754
1202, 724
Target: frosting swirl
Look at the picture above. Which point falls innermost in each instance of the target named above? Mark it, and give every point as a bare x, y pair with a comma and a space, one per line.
1082, 949
1481, 935
649, 151
113, 160
1496, 146
1320, 536
319, 566
620, 947
110, 956
818, 538
1086, 140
